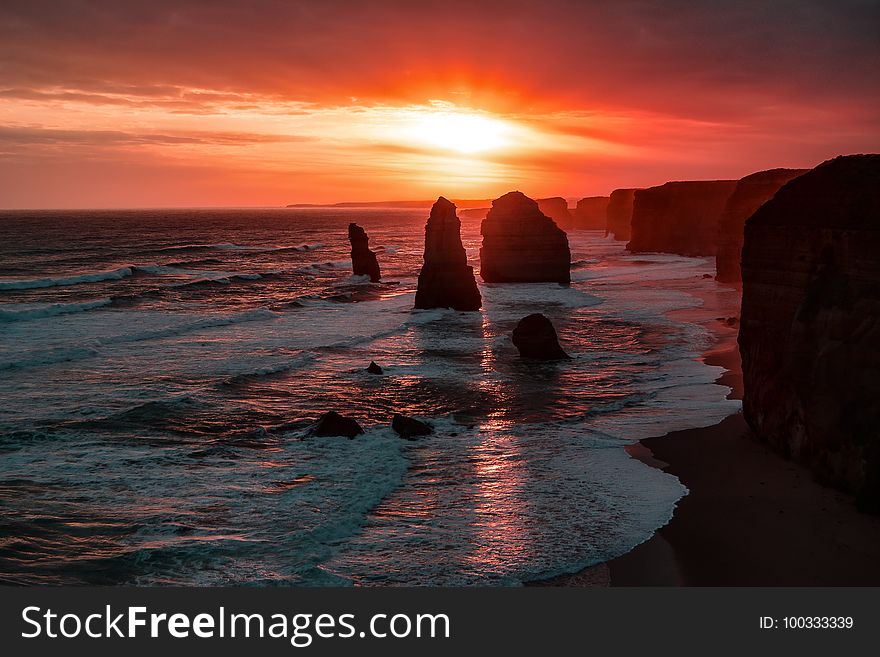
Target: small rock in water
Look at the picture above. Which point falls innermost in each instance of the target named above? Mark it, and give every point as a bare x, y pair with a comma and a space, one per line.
408, 427
535, 337
334, 424
373, 368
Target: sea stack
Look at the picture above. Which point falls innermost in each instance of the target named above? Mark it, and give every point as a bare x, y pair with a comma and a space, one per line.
446, 280
810, 325
522, 245
363, 261
535, 337
679, 217
618, 214
556, 208
751, 193
591, 213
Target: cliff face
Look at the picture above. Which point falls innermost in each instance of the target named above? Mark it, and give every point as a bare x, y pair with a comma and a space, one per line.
556, 208
751, 193
810, 327
446, 280
679, 217
363, 261
590, 213
521, 244
618, 215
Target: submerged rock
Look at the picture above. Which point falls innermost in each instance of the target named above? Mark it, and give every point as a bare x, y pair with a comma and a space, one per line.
618, 214
751, 193
446, 280
334, 424
408, 427
535, 337
810, 323
521, 244
363, 261
679, 217
372, 368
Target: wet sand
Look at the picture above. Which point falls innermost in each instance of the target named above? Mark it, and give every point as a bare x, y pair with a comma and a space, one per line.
751, 518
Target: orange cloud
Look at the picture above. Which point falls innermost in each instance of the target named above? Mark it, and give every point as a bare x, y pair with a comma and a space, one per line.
221, 103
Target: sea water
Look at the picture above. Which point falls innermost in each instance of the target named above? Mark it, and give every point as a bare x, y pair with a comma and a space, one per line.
160, 370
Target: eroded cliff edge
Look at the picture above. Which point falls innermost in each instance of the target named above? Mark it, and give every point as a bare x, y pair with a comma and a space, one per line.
590, 213
751, 193
679, 217
810, 325
618, 214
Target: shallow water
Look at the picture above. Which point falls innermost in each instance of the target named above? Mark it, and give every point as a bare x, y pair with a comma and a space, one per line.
159, 371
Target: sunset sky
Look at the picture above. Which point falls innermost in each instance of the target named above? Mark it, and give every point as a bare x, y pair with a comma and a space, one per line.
146, 103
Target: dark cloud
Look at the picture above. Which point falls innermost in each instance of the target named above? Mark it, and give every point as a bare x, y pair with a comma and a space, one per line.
639, 91
692, 57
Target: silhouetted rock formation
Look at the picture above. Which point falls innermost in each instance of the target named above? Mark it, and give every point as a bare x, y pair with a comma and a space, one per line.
363, 261
751, 193
372, 368
618, 216
521, 244
810, 324
590, 213
446, 280
535, 337
679, 217
334, 424
474, 213
407, 427
556, 208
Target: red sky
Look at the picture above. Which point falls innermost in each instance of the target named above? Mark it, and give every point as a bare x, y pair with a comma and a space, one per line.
131, 104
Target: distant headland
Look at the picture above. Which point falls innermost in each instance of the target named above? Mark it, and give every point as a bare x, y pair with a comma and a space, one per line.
460, 203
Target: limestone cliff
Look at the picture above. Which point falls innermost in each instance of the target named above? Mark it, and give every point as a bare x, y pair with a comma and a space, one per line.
556, 208
810, 325
363, 261
521, 244
590, 213
679, 217
446, 280
751, 193
618, 214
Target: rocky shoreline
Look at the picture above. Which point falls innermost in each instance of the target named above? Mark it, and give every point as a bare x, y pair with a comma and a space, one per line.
750, 518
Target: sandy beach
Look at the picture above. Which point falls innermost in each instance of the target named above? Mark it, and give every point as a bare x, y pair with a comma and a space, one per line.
751, 518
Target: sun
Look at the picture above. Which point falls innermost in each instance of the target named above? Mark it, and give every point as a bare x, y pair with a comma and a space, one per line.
461, 132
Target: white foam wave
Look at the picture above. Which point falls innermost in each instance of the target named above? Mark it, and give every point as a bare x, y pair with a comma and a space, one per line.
229, 246
318, 267
25, 312
77, 279
259, 314
49, 357
96, 346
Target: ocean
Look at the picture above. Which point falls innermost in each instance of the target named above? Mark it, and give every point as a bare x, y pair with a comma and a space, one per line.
160, 369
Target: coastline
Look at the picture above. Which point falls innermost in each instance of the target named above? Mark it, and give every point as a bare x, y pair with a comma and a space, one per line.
750, 518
